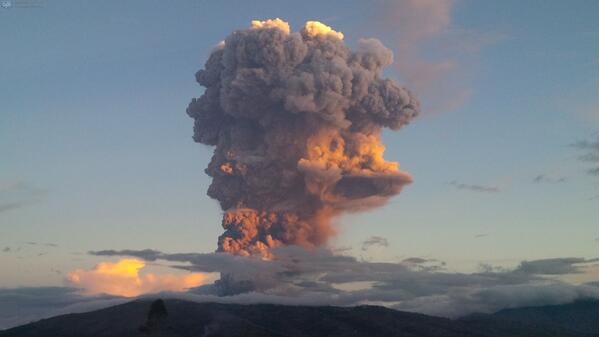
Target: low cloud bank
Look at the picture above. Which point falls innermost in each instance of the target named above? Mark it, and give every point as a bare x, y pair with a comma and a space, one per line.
298, 276
319, 277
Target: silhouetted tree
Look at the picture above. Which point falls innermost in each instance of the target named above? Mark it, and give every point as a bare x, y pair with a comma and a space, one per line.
156, 315
157, 310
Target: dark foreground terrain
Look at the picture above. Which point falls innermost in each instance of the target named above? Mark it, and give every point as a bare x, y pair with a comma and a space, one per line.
181, 318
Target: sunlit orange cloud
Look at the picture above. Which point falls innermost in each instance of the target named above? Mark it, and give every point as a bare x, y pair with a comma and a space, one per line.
274, 23
315, 28
123, 278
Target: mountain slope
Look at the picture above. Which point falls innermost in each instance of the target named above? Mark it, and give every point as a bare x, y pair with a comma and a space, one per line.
181, 318
581, 316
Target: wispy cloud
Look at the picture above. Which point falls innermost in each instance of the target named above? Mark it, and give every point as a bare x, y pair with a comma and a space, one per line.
423, 264
146, 254
555, 266
374, 241
44, 244
591, 147
543, 178
415, 260
18, 194
475, 187
7, 206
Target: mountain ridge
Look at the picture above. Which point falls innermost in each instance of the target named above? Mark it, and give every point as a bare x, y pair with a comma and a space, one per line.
179, 318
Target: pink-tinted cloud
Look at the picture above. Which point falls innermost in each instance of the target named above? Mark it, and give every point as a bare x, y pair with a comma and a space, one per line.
427, 50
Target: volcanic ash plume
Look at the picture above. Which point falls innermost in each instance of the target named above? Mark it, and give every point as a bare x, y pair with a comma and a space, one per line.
296, 119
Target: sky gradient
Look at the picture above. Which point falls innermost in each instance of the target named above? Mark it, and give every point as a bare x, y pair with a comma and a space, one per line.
97, 152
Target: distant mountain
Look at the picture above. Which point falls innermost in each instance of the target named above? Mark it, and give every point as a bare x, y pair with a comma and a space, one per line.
580, 316
176, 318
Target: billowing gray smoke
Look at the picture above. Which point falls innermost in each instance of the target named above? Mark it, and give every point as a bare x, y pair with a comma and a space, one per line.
296, 119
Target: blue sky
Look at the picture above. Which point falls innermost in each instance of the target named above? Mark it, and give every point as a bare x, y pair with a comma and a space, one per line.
96, 147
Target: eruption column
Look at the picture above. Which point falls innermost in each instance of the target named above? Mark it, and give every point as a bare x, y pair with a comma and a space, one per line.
296, 119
